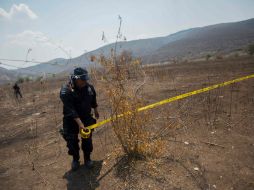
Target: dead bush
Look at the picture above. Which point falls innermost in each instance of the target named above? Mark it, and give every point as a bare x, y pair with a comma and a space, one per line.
124, 77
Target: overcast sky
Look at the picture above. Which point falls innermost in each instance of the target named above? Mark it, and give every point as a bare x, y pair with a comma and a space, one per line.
42, 30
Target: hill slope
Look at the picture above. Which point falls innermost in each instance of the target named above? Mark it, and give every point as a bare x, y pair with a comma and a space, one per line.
193, 42
215, 38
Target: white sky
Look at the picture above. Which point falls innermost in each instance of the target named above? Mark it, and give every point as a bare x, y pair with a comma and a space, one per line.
59, 28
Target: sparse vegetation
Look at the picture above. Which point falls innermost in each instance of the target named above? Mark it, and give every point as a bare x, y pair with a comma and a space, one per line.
251, 49
124, 78
20, 80
219, 57
208, 56
187, 144
39, 78
24, 79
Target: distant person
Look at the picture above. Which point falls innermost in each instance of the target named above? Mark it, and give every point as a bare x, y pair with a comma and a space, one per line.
79, 98
17, 92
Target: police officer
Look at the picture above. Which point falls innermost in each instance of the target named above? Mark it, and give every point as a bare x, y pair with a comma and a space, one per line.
79, 98
17, 92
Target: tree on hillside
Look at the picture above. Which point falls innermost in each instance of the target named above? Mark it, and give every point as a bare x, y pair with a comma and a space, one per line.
20, 80
251, 49
208, 56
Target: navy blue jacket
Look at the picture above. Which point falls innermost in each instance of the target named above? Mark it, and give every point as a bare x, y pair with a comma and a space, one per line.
77, 103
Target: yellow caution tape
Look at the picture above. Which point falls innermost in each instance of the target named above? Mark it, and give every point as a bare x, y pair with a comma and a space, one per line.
85, 134
169, 100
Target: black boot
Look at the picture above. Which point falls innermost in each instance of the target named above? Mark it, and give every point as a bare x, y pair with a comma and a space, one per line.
87, 160
75, 163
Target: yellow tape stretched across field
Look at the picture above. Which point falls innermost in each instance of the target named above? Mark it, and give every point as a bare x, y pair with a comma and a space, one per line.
169, 100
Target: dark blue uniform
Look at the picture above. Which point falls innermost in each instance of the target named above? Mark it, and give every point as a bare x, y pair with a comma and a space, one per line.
78, 103
17, 91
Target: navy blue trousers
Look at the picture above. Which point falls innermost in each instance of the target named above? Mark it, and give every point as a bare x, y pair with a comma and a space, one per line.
72, 141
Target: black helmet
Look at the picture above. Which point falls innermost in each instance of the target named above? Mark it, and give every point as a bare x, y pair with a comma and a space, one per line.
80, 73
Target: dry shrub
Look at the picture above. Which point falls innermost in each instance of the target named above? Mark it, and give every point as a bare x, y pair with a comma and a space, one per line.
219, 57
124, 78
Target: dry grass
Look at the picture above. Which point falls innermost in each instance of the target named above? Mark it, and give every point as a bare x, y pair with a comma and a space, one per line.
211, 131
124, 78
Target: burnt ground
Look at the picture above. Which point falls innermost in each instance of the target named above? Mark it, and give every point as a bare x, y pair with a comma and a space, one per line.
208, 138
